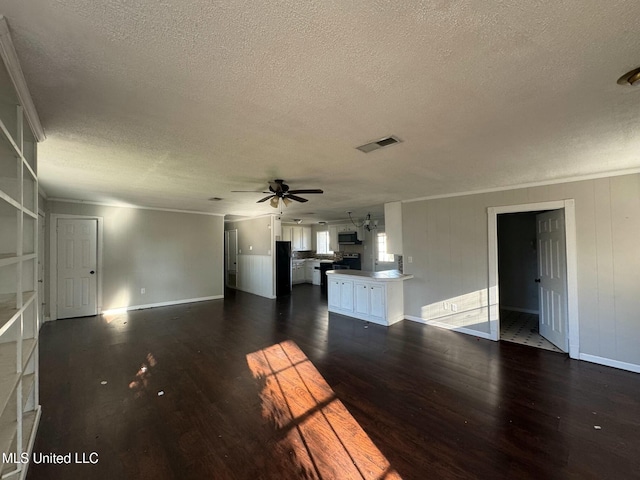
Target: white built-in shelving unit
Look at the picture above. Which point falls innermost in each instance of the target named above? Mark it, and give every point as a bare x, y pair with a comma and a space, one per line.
20, 130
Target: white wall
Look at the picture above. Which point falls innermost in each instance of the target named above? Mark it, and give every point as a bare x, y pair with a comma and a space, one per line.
448, 241
174, 256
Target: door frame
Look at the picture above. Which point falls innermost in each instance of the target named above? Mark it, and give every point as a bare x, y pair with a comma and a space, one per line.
568, 205
227, 234
53, 256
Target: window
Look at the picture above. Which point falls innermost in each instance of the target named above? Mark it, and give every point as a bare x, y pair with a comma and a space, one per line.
383, 256
322, 243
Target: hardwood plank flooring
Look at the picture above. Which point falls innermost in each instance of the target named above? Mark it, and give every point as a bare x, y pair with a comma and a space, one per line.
346, 399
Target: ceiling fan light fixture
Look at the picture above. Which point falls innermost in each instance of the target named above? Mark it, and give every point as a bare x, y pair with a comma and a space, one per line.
274, 201
286, 201
631, 78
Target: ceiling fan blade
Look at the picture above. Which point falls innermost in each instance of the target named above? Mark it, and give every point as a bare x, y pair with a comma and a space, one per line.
274, 201
309, 190
265, 198
296, 198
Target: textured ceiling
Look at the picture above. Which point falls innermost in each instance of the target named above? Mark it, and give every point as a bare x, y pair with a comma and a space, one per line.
168, 103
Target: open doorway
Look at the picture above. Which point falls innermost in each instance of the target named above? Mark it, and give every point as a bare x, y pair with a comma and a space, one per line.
519, 280
556, 273
231, 257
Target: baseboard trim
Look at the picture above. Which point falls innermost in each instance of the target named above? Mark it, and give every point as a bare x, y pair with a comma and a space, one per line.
446, 326
520, 310
160, 304
631, 367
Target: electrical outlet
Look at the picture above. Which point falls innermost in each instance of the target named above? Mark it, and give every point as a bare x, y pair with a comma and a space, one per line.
143, 291
445, 305
454, 307
410, 259
250, 247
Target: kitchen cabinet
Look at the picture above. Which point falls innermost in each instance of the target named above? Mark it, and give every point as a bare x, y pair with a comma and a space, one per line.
370, 299
297, 271
286, 234
300, 237
308, 270
19, 305
372, 296
341, 294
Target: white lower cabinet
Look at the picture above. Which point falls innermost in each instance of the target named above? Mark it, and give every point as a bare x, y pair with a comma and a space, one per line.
346, 295
297, 272
334, 295
341, 295
377, 301
362, 297
370, 299
377, 296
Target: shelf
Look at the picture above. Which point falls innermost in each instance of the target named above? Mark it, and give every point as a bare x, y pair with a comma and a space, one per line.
8, 259
19, 411
8, 311
30, 422
8, 198
28, 382
8, 138
28, 347
8, 382
30, 213
8, 425
12, 470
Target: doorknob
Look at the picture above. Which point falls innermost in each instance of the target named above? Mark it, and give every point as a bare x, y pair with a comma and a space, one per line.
92, 272
537, 280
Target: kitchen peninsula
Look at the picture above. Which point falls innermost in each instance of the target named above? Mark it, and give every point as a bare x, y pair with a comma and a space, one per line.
373, 296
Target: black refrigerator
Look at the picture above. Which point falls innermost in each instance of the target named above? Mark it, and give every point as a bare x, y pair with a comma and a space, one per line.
283, 269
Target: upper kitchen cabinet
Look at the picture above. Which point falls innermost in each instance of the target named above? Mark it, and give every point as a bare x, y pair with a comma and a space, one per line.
20, 129
299, 236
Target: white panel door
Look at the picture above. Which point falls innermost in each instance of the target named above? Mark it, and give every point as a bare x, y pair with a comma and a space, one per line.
552, 279
77, 263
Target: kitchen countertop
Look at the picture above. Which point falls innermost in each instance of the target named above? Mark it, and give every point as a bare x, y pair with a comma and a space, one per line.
386, 275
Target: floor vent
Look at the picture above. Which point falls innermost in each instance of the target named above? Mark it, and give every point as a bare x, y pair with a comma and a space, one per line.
378, 144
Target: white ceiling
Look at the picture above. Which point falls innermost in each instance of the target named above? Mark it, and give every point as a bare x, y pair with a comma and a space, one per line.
168, 103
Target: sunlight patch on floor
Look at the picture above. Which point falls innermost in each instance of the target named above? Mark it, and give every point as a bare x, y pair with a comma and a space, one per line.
316, 427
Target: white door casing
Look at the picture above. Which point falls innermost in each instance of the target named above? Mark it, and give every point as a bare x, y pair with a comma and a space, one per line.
76, 267
573, 323
552, 280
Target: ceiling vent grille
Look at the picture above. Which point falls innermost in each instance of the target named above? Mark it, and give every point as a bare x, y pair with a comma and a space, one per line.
378, 144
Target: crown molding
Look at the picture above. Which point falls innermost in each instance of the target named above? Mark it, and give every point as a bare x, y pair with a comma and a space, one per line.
11, 62
136, 207
264, 215
581, 178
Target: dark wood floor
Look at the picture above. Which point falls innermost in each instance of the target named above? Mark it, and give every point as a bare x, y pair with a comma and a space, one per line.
435, 404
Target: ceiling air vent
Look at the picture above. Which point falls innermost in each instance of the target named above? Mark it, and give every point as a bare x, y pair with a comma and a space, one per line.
383, 142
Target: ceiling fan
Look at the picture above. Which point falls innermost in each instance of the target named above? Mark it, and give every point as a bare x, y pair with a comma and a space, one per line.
278, 190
